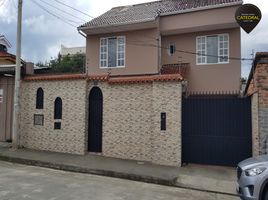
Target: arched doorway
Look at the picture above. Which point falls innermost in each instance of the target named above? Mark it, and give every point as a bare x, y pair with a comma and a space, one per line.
95, 120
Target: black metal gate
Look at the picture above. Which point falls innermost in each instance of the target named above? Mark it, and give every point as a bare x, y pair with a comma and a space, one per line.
216, 130
95, 120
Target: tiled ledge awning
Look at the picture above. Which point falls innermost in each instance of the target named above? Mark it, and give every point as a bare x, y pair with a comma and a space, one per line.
145, 79
54, 77
109, 79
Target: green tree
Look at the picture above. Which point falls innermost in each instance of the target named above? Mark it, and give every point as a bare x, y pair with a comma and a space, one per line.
66, 64
243, 80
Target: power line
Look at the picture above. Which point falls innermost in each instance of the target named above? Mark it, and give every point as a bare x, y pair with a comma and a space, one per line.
2, 3
58, 17
116, 28
184, 51
14, 4
134, 42
66, 20
63, 11
60, 2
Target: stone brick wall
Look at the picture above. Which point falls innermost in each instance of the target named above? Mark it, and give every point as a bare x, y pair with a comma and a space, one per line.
166, 145
71, 137
262, 84
258, 88
131, 121
255, 124
127, 123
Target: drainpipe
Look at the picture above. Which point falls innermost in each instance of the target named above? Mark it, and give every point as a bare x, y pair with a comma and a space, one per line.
159, 54
159, 43
82, 33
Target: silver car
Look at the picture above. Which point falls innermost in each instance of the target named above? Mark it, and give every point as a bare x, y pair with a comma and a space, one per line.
252, 178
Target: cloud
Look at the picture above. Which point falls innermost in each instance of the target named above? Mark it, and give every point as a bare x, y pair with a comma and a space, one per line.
42, 34
7, 11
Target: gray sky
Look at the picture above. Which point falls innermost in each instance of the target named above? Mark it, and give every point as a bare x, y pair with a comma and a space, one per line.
43, 34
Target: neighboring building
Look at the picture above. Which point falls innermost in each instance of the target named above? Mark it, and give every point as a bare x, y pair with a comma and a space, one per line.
182, 29
257, 89
7, 72
4, 44
7, 67
129, 103
64, 51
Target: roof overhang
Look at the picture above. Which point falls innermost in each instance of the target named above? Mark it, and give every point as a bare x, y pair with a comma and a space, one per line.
7, 70
10, 69
93, 30
4, 41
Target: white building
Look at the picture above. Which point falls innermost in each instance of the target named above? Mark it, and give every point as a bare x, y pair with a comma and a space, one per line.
72, 50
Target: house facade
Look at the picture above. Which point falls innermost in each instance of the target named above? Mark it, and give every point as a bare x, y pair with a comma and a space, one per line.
257, 90
169, 33
140, 60
7, 72
7, 69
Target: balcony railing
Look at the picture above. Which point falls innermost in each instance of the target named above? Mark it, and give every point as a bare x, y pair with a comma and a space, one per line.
177, 68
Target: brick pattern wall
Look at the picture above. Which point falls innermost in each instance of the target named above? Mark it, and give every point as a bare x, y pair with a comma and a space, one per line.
260, 122
126, 120
166, 145
131, 119
262, 84
71, 137
255, 124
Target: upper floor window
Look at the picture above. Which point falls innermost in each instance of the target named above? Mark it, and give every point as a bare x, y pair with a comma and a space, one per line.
39, 98
171, 49
112, 52
58, 108
212, 49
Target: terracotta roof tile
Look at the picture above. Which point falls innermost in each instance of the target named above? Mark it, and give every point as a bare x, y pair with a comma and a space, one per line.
145, 79
5, 54
54, 77
109, 79
9, 56
98, 78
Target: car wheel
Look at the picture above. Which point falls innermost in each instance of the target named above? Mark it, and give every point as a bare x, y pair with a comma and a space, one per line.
266, 194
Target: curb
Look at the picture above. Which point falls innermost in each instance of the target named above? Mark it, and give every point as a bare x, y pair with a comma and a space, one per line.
133, 177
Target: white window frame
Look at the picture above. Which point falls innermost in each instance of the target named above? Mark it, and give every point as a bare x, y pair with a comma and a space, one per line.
105, 53
219, 48
117, 52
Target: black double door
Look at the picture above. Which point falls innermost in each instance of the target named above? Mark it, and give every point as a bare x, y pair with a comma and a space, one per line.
216, 130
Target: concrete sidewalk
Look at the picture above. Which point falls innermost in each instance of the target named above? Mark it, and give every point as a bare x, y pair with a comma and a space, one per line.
205, 178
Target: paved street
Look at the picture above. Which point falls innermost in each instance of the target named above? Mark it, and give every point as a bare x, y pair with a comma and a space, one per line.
18, 182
